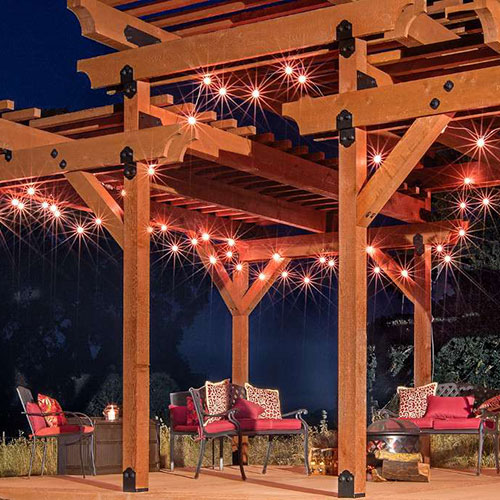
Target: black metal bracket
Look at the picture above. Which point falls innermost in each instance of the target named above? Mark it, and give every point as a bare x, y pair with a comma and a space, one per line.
148, 121
346, 486
7, 153
129, 478
127, 82
347, 135
365, 81
418, 243
345, 39
138, 37
129, 165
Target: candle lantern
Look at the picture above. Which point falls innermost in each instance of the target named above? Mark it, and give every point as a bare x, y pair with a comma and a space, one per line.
111, 412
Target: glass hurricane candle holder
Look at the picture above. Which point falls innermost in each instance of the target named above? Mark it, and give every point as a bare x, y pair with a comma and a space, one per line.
111, 412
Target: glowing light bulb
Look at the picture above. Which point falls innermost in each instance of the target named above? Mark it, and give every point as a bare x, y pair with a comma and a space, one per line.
485, 201
231, 242
229, 254
377, 270
302, 79
205, 236
377, 159
461, 232
207, 80
307, 280
480, 143
123, 192
53, 208
175, 248
14, 202
255, 93
331, 262
467, 181
288, 70
276, 257
45, 205
150, 229
370, 250
163, 227
151, 170
31, 191
322, 260
223, 91
404, 273
191, 120
80, 229
439, 248
57, 214
98, 221
212, 259
194, 241
447, 259
20, 206
463, 205
262, 276
284, 274
239, 267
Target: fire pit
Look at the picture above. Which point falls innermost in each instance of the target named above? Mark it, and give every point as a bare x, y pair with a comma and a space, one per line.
393, 435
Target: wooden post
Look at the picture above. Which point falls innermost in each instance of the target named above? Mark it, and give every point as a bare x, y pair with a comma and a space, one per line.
352, 298
136, 255
422, 329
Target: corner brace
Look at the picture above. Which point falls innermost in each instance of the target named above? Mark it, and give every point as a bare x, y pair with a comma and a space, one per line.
138, 37
127, 83
129, 165
347, 135
345, 39
7, 154
418, 243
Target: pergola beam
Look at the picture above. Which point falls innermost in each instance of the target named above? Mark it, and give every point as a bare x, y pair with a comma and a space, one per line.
473, 89
402, 21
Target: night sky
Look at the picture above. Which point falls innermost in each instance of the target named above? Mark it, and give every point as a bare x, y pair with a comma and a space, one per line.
293, 339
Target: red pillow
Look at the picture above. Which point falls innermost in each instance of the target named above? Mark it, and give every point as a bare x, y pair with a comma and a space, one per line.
491, 405
443, 407
51, 405
247, 409
37, 422
178, 415
191, 415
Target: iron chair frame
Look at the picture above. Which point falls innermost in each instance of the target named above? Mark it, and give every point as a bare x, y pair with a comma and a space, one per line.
26, 396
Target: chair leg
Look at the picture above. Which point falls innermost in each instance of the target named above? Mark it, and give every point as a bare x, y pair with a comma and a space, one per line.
172, 449
306, 451
268, 454
203, 443
33, 449
480, 451
221, 453
213, 454
81, 457
44, 456
497, 445
92, 455
240, 457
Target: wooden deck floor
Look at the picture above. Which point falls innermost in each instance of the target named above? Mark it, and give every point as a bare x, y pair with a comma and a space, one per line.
280, 483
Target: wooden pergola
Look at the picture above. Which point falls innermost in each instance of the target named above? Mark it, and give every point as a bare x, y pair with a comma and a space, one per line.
412, 75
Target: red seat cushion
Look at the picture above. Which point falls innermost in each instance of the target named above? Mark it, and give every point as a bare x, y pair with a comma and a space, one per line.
449, 407
269, 424
37, 422
185, 428
178, 415
63, 429
220, 426
422, 423
247, 409
450, 424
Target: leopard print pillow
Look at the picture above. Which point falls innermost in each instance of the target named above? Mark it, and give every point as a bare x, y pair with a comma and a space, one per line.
269, 399
217, 398
413, 400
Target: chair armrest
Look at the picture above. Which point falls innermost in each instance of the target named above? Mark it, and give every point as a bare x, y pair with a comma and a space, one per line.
384, 413
296, 413
81, 418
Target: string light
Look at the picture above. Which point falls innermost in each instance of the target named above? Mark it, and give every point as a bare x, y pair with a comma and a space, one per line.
288, 70
463, 205
447, 259
20, 206
205, 236
322, 260
370, 250
239, 267
485, 201
276, 257
98, 221
439, 248
151, 170
80, 229
57, 214
404, 273
467, 181
212, 259
331, 263
223, 92
302, 79
191, 120
194, 241
14, 202
53, 208
207, 80
174, 248
284, 275
377, 270
150, 229
255, 93
229, 254
481, 142
262, 276
45, 205
307, 280
231, 242
461, 232
123, 192
163, 228
31, 191
377, 159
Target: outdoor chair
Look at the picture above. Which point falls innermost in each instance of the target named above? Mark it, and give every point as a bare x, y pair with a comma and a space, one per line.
82, 432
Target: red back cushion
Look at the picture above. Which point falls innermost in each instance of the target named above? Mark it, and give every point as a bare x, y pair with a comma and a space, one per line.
191, 415
51, 405
247, 409
178, 415
37, 422
443, 407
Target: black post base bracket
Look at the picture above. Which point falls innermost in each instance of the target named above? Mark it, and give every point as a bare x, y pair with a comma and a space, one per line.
129, 478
